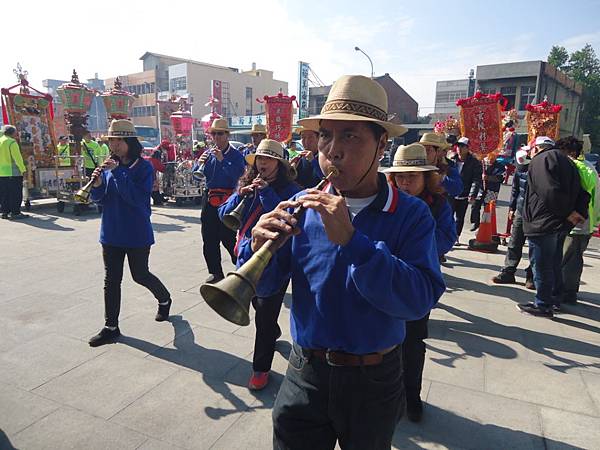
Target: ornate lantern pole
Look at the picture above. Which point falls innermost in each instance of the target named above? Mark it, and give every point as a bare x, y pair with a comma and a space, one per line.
77, 99
118, 102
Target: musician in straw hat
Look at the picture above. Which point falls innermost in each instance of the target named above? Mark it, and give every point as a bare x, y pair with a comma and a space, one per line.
362, 260
257, 134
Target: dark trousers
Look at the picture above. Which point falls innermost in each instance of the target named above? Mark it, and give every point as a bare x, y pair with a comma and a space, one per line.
413, 356
11, 194
319, 404
459, 206
572, 264
545, 256
137, 258
213, 233
476, 212
157, 198
267, 329
516, 242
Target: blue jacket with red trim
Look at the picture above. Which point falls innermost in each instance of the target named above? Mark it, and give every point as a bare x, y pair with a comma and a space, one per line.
356, 298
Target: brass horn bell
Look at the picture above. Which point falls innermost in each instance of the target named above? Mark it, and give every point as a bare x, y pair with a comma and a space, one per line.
233, 220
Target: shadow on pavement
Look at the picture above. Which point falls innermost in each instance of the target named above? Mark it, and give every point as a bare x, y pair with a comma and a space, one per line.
5, 443
217, 368
187, 219
46, 223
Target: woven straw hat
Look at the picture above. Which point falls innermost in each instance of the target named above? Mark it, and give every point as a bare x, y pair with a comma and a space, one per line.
410, 158
356, 98
121, 128
433, 139
258, 128
268, 148
219, 125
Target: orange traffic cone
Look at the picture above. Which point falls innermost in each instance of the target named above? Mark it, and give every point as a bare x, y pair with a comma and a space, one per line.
484, 241
495, 235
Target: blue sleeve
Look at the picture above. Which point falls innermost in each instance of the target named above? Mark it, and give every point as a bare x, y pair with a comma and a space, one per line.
268, 198
452, 182
232, 169
445, 230
406, 286
317, 172
97, 194
229, 205
133, 191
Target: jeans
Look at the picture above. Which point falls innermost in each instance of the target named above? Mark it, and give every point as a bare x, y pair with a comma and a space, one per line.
11, 194
319, 404
413, 356
459, 206
545, 255
267, 329
514, 251
137, 258
213, 233
572, 264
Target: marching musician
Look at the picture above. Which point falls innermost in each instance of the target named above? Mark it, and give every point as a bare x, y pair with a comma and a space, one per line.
257, 134
413, 173
436, 147
307, 165
362, 260
123, 186
267, 181
223, 166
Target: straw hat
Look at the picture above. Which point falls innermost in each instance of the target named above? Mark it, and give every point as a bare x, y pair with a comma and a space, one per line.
258, 128
410, 158
121, 128
268, 148
219, 125
301, 129
356, 98
432, 139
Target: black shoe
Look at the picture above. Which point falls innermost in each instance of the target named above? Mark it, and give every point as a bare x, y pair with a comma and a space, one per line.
504, 278
531, 308
106, 336
443, 259
414, 409
556, 309
163, 312
5, 216
18, 216
474, 227
214, 278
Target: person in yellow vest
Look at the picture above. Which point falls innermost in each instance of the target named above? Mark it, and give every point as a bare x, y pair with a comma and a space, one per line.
104, 150
12, 169
63, 151
90, 151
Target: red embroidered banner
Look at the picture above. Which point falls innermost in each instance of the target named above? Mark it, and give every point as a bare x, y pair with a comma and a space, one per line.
481, 121
279, 111
543, 119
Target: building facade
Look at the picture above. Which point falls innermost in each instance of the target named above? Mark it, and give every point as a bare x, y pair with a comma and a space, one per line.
402, 108
447, 92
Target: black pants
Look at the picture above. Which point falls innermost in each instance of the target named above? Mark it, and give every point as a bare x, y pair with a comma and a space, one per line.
267, 329
476, 212
137, 258
459, 206
514, 251
11, 194
213, 233
413, 356
157, 198
319, 404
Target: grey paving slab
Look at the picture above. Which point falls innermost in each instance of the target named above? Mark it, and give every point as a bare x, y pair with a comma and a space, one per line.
107, 384
38, 361
535, 383
563, 429
187, 409
20, 408
449, 363
592, 382
455, 417
71, 429
155, 444
204, 315
253, 430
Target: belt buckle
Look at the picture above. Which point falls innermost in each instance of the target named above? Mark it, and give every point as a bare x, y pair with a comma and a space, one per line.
329, 360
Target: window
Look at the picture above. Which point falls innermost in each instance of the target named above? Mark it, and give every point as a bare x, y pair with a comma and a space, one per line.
248, 101
449, 96
179, 84
527, 96
488, 91
510, 93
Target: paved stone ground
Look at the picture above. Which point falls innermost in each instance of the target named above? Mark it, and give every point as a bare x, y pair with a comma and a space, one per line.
495, 379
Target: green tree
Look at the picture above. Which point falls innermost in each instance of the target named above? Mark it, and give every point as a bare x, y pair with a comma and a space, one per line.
558, 57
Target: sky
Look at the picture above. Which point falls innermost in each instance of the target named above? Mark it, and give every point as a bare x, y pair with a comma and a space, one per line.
416, 42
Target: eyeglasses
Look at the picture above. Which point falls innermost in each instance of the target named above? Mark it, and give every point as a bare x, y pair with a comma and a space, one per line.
217, 133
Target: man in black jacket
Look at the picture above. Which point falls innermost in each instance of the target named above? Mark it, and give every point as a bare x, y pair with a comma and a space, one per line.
469, 168
554, 203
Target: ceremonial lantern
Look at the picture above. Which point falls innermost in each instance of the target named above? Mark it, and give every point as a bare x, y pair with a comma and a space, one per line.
183, 123
76, 99
117, 102
543, 119
481, 122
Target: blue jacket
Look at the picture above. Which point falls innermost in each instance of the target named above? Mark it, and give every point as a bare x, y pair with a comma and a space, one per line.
224, 174
309, 172
268, 199
445, 226
125, 199
452, 181
356, 298
519, 188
